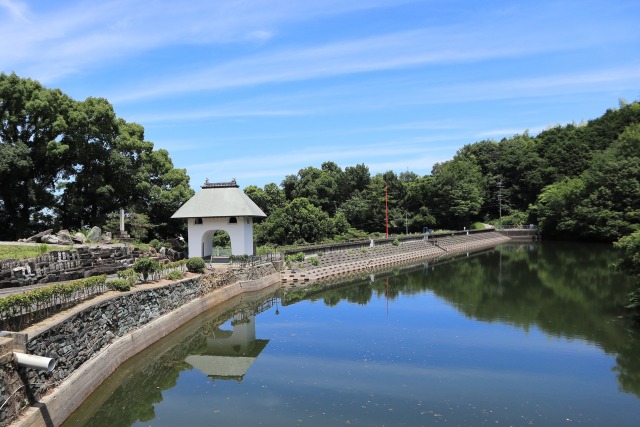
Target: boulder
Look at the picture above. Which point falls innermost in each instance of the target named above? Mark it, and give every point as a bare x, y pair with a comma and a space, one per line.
94, 234
64, 237
50, 239
36, 237
79, 238
106, 237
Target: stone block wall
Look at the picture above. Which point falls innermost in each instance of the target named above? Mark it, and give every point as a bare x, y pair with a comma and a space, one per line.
59, 266
85, 333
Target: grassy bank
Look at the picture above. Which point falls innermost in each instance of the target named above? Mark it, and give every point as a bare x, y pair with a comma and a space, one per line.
27, 251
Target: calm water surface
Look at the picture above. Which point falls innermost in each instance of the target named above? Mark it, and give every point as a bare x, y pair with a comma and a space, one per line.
519, 335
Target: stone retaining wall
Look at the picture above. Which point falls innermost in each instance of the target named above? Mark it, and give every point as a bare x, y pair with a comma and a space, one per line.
60, 266
353, 262
85, 332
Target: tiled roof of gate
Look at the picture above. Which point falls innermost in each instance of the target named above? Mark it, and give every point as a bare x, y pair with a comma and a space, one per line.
219, 201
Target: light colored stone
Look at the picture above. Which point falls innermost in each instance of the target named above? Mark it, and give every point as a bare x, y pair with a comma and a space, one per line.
79, 238
64, 237
106, 237
94, 234
50, 239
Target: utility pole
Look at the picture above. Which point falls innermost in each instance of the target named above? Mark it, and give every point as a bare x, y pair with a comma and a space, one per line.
406, 223
386, 207
500, 185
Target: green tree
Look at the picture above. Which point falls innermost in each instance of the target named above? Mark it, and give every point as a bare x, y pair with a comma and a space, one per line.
298, 221
603, 203
357, 211
354, 179
456, 193
629, 246
34, 153
556, 205
67, 163
269, 198
163, 189
88, 190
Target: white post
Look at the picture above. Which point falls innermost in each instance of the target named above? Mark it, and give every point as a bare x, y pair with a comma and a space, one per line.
121, 221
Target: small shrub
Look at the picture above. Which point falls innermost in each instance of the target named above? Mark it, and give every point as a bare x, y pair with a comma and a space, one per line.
129, 275
174, 275
396, 242
195, 265
314, 261
121, 285
146, 266
42, 249
294, 257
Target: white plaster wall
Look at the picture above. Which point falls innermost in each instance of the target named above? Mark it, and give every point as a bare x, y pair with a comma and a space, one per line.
201, 236
248, 234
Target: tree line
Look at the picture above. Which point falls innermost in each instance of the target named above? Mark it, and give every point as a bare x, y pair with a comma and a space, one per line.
576, 181
70, 164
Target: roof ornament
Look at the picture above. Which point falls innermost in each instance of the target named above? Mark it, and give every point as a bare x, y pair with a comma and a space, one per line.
231, 184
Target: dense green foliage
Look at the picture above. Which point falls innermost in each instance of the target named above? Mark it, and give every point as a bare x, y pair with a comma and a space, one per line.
575, 181
48, 297
146, 266
630, 263
195, 265
67, 164
122, 285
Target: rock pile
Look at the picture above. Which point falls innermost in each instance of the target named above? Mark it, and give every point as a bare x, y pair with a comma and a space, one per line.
64, 237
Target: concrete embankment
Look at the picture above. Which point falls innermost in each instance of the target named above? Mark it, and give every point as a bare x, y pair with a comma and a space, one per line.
329, 266
91, 340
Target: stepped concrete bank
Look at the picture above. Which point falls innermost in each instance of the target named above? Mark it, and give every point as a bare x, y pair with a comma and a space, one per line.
329, 266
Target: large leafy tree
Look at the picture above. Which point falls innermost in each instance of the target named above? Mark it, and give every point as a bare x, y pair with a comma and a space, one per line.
603, 203
456, 193
164, 189
269, 198
520, 171
297, 221
88, 190
34, 153
67, 164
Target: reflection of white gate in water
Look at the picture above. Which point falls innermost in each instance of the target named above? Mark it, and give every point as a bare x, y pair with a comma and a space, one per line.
229, 354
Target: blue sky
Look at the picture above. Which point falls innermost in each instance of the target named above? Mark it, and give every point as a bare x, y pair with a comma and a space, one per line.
256, 90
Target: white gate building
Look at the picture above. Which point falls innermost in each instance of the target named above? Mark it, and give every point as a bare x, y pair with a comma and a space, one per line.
219, 206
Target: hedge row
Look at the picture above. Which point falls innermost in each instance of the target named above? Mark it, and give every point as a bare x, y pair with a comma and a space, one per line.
50, 296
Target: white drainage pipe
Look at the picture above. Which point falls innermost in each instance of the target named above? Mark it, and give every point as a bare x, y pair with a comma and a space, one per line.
35, 362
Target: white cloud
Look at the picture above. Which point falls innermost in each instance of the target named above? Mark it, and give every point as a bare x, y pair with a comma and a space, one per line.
405, 49
16, 9
73, 36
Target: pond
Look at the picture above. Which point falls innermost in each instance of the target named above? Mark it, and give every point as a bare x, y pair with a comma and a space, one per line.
522, 334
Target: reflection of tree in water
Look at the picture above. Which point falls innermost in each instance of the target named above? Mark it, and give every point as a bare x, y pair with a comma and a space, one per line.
135, 398
565, 290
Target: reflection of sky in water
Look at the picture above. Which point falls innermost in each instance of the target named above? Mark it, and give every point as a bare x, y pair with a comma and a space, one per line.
424, 363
